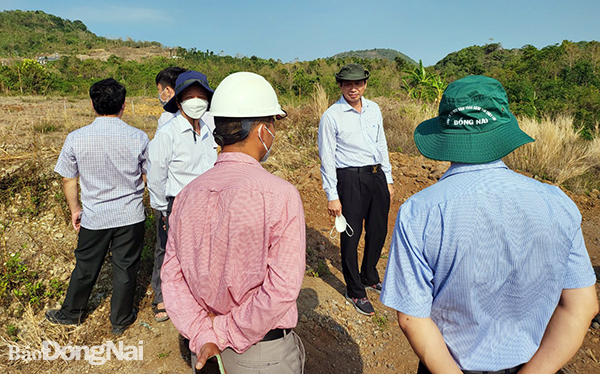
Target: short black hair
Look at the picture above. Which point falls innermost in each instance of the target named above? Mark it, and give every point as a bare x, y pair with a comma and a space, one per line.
108, 96
168, 76
235, 130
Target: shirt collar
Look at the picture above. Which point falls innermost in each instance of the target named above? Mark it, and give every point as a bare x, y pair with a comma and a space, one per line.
185, 125
237, 157
347, 107
457, 168
107, 120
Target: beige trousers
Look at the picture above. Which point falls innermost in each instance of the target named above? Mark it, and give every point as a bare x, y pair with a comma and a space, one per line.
281, 356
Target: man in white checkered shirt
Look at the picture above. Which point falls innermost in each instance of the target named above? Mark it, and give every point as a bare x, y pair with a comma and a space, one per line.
108, 159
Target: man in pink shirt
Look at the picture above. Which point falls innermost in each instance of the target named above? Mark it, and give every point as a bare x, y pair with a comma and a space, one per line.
235, 256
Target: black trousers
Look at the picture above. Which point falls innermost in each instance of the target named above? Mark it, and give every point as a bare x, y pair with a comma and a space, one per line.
365, 198
159, 256
162, 229
126, 245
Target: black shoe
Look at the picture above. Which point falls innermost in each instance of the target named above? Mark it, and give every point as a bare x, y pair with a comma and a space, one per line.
57, 316
376, 287
362, 305
120, 329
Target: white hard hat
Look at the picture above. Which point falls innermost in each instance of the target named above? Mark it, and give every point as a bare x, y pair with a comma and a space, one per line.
245, 95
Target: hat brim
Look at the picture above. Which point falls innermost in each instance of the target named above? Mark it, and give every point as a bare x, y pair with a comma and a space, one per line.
171, 105
472, 148
357, 77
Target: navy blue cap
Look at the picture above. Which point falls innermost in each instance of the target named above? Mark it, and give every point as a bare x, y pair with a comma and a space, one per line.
184, 80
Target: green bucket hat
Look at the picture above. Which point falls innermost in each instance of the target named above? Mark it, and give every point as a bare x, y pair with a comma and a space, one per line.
474, 124
352, 72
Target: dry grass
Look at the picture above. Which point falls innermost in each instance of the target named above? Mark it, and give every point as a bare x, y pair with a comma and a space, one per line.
400, 118
558, 154
33, 129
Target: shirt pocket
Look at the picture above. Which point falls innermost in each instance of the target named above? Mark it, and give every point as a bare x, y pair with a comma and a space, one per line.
371, 130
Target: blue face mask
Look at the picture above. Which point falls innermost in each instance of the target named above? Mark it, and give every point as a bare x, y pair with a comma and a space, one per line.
268, 149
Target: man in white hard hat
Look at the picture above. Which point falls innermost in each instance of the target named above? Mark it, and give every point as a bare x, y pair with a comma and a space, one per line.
181, 150
236, 250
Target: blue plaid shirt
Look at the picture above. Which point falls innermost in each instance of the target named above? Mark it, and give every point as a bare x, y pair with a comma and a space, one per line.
109, 157
486, 253
350, 139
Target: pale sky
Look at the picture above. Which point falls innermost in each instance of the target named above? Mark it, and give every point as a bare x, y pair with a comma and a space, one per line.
310, 29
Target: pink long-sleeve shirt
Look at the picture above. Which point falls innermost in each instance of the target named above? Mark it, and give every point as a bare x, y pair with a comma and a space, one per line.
236, 248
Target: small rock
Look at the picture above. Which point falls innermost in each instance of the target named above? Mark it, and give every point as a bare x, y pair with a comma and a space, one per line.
303, 319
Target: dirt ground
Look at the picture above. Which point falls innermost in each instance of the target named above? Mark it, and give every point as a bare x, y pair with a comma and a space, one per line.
337, 339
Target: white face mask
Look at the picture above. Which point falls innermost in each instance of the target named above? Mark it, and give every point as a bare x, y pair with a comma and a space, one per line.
162, 102
341, 226
266, 156
194, 108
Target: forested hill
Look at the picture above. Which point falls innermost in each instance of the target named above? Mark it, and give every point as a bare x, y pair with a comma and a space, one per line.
557, 79
381, 53
31, 33
560, 78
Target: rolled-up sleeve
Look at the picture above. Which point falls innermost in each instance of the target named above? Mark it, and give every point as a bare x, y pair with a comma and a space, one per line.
188, 316
250, 321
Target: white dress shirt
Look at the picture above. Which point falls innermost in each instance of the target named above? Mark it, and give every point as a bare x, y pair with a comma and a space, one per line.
166, 117
348, 138
177, 155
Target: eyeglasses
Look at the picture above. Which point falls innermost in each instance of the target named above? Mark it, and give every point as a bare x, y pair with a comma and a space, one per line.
281, 116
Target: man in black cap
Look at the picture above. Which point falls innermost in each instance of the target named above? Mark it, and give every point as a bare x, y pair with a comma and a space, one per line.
357, 178
181, 150
488, 269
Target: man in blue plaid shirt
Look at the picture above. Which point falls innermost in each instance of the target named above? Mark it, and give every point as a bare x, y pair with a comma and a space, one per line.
108, 160
488, 269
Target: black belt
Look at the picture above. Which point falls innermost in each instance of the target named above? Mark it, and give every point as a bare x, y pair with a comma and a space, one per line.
505, 371
276, 334
364, 169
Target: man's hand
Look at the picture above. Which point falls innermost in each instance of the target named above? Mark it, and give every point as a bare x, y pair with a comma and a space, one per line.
334, 208
565, 331
207, 351
391, 189
76, 218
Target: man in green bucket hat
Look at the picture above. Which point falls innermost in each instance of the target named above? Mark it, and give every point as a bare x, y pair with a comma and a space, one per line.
357, 178
488, 269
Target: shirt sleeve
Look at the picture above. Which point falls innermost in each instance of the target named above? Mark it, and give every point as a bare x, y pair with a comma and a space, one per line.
66, 165
143, 158
189, 317
249, 322
327, 147
159, 155
408, 281
580, 273
382, 147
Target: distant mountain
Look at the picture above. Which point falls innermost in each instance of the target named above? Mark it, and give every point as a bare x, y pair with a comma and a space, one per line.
31, 33
381, 53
